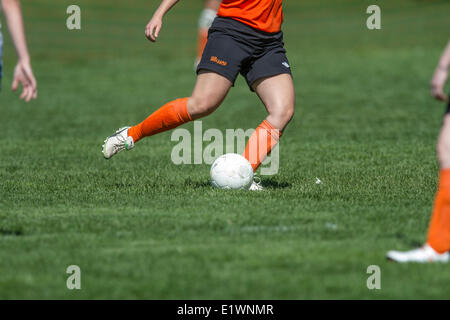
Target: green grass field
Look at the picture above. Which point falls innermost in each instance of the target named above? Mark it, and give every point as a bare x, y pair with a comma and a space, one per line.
141, 227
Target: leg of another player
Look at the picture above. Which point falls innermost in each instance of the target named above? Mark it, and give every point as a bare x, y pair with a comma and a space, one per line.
204, 22
439, 230
438, 241
278, 96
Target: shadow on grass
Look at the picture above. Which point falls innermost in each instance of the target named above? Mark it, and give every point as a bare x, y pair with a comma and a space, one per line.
197, 184
273, 184
11, 232
408, 241
270, 184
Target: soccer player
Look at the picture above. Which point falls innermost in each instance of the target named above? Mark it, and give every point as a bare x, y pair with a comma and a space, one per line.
23, 74
205, 21
245, 38
437, 246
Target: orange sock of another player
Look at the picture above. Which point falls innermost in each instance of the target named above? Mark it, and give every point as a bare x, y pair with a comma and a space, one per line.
439, 230
261, 143
202, 40
169, 116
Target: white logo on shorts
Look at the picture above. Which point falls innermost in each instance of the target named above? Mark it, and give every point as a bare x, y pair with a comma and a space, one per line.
286, 64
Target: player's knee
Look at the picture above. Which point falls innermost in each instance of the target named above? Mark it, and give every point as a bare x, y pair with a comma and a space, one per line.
289, 113
283, 112
201, 106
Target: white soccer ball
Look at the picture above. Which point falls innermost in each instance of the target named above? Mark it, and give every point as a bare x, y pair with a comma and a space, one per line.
231, 171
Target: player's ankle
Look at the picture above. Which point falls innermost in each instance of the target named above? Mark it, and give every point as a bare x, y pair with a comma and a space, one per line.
435, 248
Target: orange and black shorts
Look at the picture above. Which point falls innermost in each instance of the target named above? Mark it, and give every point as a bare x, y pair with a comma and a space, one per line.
234, 47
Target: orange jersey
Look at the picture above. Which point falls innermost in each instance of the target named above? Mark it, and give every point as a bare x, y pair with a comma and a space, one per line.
264, 15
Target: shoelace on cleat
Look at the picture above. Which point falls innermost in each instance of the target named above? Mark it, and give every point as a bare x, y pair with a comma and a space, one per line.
256, 183
118, 146
121, 144
257, 180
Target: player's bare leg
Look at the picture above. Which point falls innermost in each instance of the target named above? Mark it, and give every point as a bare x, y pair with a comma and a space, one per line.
438, 240
209, 92
437, 246
278, 96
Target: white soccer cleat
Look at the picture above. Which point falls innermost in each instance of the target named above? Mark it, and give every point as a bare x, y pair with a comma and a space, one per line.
117, 142
421, 255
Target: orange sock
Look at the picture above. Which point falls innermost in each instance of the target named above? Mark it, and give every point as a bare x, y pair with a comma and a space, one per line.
169, 116
439, 230
261, 142
202, 39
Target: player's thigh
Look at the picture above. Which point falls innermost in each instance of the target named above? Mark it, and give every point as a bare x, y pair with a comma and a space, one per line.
217, 70
209, 92
223, 54
277, 94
